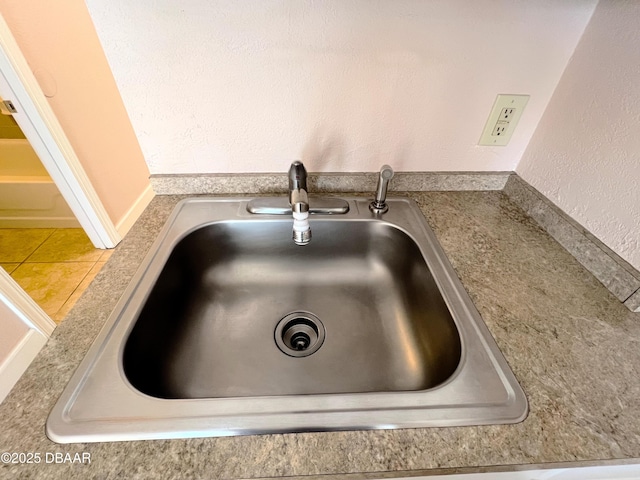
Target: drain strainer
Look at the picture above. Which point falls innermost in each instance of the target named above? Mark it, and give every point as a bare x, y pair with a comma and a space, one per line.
299, 334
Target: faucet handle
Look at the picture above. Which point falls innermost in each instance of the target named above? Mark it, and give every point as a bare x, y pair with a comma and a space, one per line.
379, 204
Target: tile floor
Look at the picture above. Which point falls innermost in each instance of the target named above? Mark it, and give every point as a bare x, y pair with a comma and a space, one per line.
54, 266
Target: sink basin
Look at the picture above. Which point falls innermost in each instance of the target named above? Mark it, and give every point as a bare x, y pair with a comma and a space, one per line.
207, 328
230, 328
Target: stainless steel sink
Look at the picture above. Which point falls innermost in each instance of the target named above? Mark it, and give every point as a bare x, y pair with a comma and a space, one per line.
230, 328
207, 328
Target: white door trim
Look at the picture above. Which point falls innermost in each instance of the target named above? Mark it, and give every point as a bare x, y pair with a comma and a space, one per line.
36, 119
40, 329
19, 360
16, 299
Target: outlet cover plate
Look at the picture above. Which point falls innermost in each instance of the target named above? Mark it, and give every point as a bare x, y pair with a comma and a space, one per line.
505, 114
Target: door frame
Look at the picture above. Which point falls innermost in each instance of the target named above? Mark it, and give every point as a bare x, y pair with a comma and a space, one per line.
40, 327
45, 135
41, 127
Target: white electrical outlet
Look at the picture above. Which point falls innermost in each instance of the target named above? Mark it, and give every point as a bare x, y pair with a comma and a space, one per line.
503, 119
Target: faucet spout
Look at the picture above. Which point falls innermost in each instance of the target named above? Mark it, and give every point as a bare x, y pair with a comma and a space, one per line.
299, 200
297, 179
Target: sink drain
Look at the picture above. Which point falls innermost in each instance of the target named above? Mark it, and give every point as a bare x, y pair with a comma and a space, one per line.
299, 334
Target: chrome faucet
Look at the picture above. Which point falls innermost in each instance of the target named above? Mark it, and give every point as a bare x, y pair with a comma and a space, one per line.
379, 204
299, 201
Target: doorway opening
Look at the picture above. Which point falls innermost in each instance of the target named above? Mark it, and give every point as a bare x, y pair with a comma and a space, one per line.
42, 245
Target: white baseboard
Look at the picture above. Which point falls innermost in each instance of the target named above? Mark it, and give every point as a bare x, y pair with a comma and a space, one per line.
18, 360
129, 218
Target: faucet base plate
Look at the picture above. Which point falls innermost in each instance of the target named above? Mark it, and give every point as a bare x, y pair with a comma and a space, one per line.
281, 206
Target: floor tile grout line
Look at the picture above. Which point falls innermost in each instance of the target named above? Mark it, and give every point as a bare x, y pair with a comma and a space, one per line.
54, 261
74, 290
62, 261
36, 248
92, 263
42, 243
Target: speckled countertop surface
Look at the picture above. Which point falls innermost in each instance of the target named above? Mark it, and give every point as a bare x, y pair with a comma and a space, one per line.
574, 348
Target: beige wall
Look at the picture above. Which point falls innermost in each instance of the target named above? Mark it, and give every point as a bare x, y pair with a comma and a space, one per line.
585, 153
222, 86
61, 46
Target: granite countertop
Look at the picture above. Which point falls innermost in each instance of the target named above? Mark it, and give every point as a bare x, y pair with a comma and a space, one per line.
574, 348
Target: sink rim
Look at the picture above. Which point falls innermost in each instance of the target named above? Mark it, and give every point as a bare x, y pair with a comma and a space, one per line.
82, 421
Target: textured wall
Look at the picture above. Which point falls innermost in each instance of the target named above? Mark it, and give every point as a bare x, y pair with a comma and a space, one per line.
585, 154
226, 86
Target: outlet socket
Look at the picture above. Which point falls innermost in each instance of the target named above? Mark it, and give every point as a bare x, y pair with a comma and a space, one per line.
502, 121
500, 129
506, 114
